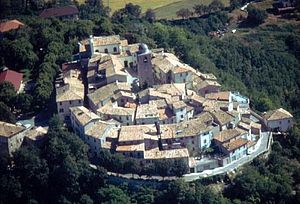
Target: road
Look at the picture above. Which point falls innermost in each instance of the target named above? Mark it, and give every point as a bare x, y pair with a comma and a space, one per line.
263, 147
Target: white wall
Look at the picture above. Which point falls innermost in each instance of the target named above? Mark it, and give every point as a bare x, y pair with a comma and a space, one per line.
65, 107
282, 125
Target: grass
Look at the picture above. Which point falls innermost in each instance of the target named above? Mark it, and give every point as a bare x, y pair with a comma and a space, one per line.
169, 11
145, 4
164, 9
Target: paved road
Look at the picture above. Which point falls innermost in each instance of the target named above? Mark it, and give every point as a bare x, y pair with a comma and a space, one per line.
262, 148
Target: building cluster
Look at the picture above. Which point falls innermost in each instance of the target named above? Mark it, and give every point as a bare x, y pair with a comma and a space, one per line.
147, 104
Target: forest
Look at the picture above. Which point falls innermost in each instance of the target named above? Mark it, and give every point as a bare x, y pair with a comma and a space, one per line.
262, 64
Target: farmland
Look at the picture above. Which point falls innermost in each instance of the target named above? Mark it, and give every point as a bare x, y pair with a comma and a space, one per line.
163, 8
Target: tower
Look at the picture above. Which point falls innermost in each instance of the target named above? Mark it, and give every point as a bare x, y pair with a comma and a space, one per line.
144, 66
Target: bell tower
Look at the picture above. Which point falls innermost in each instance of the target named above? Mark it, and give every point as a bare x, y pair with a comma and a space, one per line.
144, 66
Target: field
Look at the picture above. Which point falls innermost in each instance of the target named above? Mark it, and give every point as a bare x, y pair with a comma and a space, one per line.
169, 11
163, 8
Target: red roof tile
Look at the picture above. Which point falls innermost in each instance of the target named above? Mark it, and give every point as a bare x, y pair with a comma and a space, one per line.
10, 25
59, 11
13, 77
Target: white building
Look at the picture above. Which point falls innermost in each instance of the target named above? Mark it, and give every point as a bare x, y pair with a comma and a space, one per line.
69, 94
278, 120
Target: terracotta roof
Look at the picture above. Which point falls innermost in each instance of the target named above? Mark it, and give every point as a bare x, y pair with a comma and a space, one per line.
59, 11
106, 40
221, 96
278, 114
226, 135
10, 25
13, 77
230, 146
84, 115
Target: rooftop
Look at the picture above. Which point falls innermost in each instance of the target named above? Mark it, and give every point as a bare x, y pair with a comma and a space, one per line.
227, 135
146, 111
83, 115
108, 91
11, 76
230, 146
179, 104
201, 124
277, 114
118, 111
166, 154
10, 25
131, 147
59, 11
98, 129
137, 133
73, 89
106, 40
8, 130
221, 116
220, 96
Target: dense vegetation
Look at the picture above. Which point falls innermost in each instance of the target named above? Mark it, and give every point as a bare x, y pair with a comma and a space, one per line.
262, 63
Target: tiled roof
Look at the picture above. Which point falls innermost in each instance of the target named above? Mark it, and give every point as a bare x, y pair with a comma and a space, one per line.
9, 130
226, 135
277, 114
233, 145
13, 77
10, 25
108, 91
59, 11
221, 117
166, 154
106, 40
221, 96
146, 110
83, 115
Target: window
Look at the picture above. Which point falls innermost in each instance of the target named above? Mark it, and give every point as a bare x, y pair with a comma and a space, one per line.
127, 118
70, 102
60, 103
61, 110
94, 140
181, 116
280, 122
145, 60
115, 49
79, 101
106, 50
289, 121
204, 141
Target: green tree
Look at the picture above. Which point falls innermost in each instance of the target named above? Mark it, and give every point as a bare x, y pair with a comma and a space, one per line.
184, 13
216, 5
5, 114
150, 15
111, 194
7, 93
23, 102
256, 16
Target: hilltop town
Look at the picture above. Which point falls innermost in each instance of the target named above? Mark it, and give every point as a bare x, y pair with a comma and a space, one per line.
148, 105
